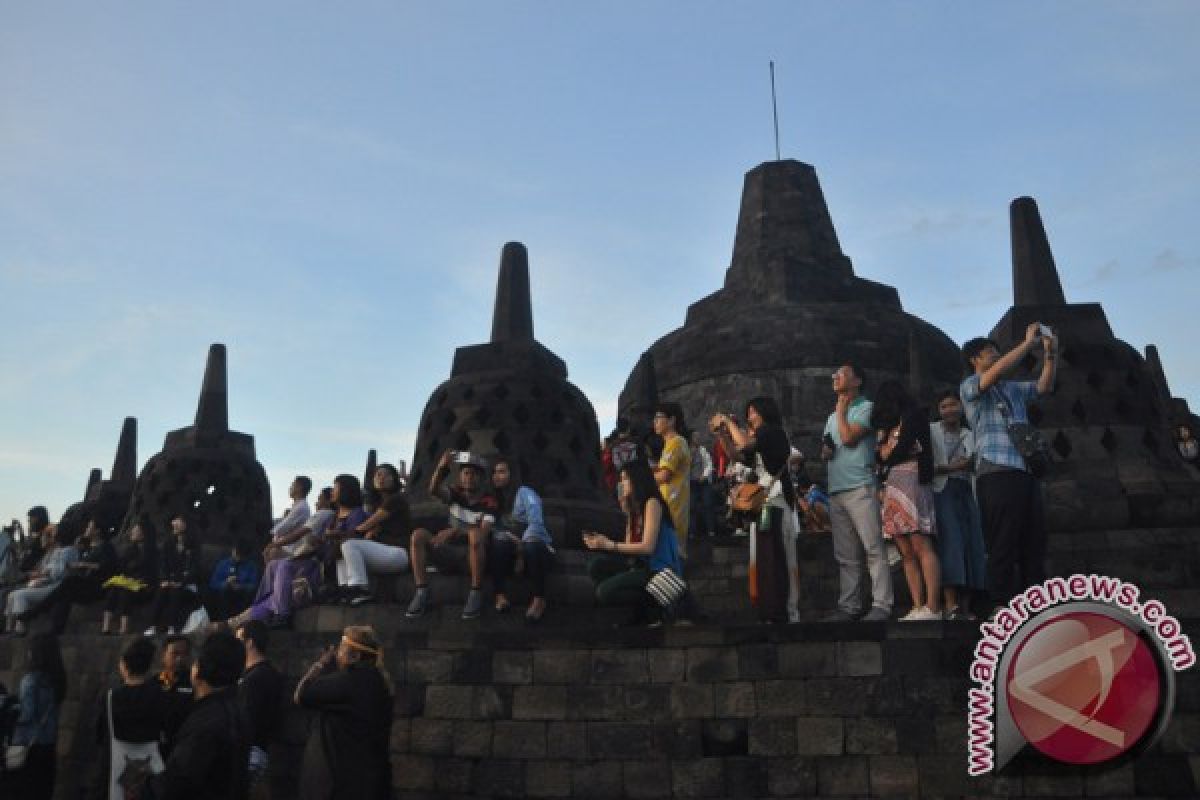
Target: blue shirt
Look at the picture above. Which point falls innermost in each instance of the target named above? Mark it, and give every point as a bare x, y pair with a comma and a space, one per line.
852, 467
989, 414
527, 511
666, 548
245, 574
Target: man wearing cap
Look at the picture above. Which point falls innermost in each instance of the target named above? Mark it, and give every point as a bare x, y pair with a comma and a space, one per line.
471, 515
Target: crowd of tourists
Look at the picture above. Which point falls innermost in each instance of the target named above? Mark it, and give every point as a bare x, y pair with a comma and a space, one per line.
202, 727
955, 497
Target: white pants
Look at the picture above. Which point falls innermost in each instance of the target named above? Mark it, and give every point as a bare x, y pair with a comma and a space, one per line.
360, 556
788, 531
21, 600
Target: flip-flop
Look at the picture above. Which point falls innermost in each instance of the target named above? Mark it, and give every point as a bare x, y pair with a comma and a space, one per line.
502, 606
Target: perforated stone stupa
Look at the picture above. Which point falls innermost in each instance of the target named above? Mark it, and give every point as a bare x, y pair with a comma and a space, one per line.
791, 311
207, 472
107, 500
1108, 420
511, 396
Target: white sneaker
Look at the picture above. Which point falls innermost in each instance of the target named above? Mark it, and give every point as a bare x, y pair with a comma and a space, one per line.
911, 615
925, 615
793, 616
151, 631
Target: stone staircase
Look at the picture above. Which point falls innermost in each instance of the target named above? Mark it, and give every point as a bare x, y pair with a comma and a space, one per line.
576, 707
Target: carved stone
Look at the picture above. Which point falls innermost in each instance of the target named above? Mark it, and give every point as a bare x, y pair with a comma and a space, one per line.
1108, 420
791, 311
107, 500
207, 472
511, 396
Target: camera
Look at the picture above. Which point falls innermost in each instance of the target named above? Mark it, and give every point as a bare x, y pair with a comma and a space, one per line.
461, 457
1044, 330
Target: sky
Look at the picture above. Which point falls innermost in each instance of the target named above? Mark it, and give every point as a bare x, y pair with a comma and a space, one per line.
326, 190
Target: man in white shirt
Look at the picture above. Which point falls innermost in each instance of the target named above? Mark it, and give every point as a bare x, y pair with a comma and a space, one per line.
290, 527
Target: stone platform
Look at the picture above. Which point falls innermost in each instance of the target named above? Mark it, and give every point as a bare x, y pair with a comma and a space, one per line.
578, 708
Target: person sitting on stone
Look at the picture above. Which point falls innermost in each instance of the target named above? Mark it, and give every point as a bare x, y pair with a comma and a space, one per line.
649, 545
233, 582
60, 555
287, 532
137, 575
276, 598
348, 514
38, 540
178, 593
380, 550
84, 579
472, 514
520, 537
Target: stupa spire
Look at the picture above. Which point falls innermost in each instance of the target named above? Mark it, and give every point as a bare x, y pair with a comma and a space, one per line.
212, 412
124, 468
95, 478
1035, 277
512, 320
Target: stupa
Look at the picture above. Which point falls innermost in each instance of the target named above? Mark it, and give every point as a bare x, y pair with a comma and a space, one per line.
511, 396
791, 311
1108, 420
107, 500
207, 472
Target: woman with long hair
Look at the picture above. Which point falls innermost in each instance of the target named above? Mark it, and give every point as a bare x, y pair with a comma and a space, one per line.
764, 447
906, 458
650, 544
178, 592
521, 536
137, 575
381, 548
41, 693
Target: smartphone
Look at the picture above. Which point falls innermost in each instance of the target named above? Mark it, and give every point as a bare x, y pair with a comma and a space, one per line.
1044, 330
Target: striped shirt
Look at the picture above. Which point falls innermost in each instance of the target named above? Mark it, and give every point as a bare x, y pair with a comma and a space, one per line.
989, 414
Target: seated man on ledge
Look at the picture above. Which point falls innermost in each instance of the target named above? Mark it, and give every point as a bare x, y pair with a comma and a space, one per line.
472, 513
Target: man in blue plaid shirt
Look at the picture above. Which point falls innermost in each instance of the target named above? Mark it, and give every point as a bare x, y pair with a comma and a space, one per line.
1010, 498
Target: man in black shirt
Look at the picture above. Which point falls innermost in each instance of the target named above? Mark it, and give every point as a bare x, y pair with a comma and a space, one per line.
261, 691
472, 513
211, 754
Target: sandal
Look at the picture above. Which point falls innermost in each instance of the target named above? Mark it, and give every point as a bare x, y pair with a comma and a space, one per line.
502, 606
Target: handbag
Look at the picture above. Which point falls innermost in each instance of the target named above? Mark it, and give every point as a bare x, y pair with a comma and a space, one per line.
1028, 440
749, 497
666, 587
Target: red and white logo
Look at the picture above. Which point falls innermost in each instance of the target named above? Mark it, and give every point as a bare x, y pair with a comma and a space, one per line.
1084, 688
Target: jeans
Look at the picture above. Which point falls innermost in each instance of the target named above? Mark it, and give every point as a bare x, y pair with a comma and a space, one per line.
854, 515
363, 556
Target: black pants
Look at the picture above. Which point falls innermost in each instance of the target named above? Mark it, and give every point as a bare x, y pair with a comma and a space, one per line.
226, 603
73, 589
771, 570
34, 781
502, 560
123, 601
172, 607
1014, 532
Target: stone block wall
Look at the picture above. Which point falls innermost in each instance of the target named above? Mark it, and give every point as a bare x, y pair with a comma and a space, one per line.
578, 708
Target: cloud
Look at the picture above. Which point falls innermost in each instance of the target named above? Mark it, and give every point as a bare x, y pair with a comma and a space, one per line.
947, 222
1168, 260
1104, 273
990, 298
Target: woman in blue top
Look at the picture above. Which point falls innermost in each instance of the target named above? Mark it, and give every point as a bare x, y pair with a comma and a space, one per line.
520, 535
41, 694
650, 544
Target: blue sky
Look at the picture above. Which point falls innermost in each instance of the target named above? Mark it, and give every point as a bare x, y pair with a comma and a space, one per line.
327, 190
